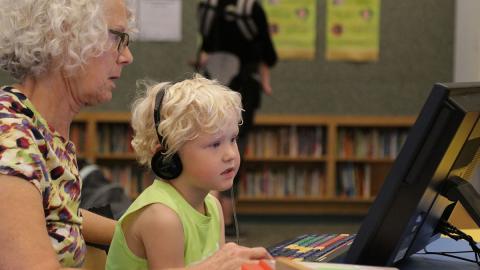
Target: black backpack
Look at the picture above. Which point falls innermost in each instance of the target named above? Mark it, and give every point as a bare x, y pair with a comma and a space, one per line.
209, 11
100, 195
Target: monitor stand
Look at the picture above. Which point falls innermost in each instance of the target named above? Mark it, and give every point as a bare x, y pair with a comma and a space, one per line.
458, 189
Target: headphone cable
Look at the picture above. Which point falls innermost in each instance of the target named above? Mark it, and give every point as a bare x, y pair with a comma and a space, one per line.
235, 220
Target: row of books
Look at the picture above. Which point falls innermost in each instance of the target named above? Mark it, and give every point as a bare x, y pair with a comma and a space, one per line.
354, 180
77, 136
114, 138
370, 142
293, 141
132, 178
265, 142
291, 181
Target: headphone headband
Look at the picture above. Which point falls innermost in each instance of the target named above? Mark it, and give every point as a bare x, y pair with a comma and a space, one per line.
156, 111
165, 168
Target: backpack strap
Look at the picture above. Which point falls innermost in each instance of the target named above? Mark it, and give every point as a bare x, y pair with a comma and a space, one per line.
244, 19
87, 170
207, 9
242, 15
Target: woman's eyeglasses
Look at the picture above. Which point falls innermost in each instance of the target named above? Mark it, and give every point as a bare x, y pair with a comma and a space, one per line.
124, 39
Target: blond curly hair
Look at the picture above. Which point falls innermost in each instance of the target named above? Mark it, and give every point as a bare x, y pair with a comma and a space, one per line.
34, 33
189, 107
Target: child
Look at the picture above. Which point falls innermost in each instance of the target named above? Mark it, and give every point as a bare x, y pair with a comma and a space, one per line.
187, 133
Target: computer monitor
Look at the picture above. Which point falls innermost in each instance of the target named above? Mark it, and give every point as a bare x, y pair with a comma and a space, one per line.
444, 142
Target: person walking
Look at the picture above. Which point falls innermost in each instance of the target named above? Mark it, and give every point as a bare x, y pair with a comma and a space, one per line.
237, 50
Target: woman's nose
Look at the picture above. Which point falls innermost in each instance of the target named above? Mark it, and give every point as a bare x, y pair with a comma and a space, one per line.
125, 57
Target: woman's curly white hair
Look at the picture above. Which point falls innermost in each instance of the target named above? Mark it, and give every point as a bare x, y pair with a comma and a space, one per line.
36, 33
189, 107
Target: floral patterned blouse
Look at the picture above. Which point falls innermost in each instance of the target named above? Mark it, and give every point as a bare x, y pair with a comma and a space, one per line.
32, 150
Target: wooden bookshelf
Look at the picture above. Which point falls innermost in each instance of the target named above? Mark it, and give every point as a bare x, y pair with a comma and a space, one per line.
295, 164
329, 200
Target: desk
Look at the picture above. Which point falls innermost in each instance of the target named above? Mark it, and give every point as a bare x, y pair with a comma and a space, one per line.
418, 262
427, 262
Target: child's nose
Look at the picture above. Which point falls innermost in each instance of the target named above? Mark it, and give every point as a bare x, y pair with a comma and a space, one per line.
230, 152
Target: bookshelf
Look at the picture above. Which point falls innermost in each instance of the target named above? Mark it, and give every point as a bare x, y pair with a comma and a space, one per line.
294, 164
103, 138
348, 159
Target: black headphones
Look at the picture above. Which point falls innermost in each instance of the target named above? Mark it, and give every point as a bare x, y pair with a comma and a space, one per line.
165, 168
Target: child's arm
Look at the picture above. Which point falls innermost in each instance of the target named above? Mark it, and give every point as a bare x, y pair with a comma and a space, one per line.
161, 234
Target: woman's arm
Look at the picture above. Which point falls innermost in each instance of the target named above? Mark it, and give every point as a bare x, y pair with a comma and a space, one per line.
23, 230
97, 229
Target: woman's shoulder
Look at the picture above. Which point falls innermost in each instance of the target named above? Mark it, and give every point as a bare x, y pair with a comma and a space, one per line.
10, 90
21, 155
12, 105
17, 120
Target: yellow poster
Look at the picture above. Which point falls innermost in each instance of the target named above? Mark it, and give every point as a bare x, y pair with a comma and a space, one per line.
352, 30
293, 27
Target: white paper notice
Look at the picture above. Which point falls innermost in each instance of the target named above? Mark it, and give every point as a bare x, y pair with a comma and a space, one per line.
159, 20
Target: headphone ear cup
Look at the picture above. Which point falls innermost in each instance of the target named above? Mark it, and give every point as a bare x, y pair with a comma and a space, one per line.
167, 169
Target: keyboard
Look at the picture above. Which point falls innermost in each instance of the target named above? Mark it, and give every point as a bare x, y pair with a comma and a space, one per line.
314, 247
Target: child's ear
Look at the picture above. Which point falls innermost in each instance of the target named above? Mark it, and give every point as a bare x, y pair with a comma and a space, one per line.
157, 148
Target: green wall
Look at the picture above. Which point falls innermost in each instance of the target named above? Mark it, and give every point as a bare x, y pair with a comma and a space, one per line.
416, 50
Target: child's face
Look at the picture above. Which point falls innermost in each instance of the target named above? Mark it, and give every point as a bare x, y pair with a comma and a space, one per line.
211, 161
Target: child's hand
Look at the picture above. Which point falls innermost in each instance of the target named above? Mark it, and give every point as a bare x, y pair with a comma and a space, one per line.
232, 256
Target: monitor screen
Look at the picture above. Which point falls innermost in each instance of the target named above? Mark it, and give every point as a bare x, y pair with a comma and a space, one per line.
443, 142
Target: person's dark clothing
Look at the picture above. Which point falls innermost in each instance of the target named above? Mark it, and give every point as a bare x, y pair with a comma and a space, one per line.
222, 33
225, 35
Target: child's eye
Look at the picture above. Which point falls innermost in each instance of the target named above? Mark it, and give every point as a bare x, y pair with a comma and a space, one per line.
215, 144
234, 139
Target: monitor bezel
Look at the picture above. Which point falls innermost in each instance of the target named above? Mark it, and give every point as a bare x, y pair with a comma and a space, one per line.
405, 213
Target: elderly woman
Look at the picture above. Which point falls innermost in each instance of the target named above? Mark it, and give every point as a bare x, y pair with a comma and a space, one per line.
65, 55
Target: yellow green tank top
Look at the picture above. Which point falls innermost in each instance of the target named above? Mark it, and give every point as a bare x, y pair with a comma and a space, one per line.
201, 232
